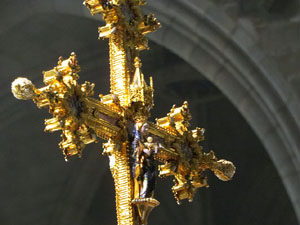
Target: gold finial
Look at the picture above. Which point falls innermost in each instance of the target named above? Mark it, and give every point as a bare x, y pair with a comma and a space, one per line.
138, 78
137, 62
23, 89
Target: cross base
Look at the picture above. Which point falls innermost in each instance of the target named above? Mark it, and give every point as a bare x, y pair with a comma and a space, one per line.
144, 207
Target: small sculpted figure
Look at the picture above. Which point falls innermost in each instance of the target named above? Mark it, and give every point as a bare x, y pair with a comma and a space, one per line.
143, 168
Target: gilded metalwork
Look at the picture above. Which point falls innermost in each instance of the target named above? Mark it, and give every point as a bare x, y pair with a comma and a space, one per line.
121, 118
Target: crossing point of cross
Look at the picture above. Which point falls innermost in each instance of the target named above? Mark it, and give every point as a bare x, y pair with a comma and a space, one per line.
121, 118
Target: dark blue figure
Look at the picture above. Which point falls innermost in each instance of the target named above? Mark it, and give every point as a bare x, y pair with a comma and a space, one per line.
143, 168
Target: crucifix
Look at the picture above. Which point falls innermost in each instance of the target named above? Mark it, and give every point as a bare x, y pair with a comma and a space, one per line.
121, 117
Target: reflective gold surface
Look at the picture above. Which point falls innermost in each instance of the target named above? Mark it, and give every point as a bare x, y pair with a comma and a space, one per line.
121, 118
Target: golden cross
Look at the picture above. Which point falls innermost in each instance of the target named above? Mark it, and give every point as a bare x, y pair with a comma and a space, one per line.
121, 117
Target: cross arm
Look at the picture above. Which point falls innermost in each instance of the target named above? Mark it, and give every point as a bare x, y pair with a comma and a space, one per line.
81, 118
182, 157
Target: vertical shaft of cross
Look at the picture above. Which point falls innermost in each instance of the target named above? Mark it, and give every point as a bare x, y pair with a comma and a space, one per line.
119, 86
126, 27
123, 186
119, 72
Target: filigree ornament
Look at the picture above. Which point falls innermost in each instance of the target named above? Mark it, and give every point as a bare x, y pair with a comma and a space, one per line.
62, 95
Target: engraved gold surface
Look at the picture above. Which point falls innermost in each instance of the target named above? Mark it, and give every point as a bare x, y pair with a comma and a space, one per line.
82, 118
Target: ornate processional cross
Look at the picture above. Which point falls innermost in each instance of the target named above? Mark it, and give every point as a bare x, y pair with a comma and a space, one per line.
133, 143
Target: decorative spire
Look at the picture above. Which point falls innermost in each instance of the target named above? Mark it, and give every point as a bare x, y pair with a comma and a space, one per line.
138, 78
139, 90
